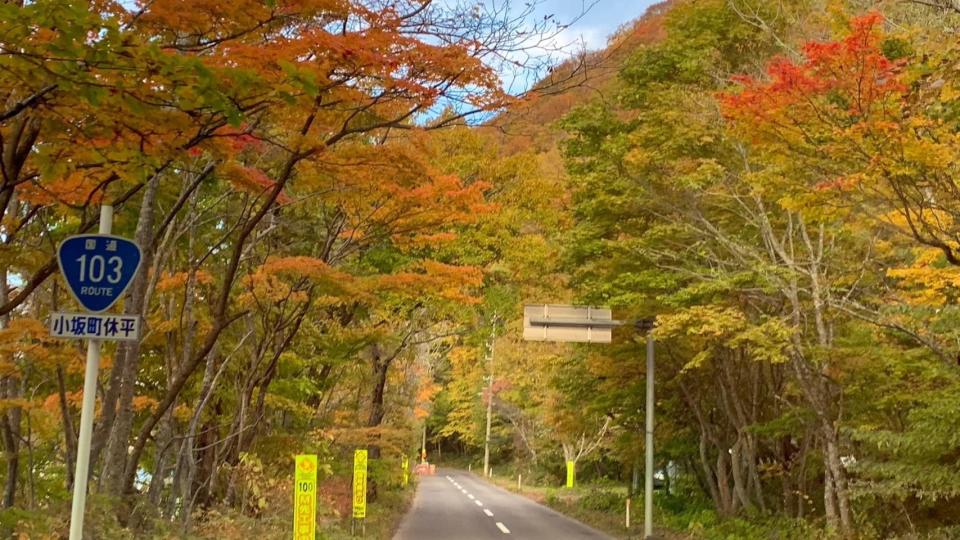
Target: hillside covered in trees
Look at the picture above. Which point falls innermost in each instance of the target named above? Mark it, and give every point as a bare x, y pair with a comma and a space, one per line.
342, 213
774, 182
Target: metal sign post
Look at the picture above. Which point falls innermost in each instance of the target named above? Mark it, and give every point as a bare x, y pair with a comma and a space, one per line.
98, 268
582, 324
648, 442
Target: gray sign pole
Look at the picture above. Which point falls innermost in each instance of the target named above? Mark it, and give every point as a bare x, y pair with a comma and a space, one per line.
486, 440
593, 325
87, 412
648, 486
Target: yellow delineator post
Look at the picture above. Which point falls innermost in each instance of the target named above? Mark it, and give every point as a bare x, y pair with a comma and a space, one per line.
360, 484
571, 473
406, 470
305, 498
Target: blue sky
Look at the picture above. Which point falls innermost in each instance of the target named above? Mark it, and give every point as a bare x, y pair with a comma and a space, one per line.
583, 23
600, 20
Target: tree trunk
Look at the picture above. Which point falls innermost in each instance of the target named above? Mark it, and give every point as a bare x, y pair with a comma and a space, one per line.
11, 441
839, 476
710, 477
829, 496
125, 371
381, 367
9, 419
69, 435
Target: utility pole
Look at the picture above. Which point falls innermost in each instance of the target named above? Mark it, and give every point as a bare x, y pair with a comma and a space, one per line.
648, 445
486, 442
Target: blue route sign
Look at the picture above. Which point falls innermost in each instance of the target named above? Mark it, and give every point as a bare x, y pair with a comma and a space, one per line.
98, 268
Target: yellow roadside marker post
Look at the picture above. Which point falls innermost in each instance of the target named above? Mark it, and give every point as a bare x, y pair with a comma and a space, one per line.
360, 488
305, 498
406, 470
570, 474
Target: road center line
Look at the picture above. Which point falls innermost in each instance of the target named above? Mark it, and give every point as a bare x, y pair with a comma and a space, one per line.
469, 495
488, 512
503, 528
478, 503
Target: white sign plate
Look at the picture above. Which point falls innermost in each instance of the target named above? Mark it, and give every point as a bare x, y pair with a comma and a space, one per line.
102, 326
578, 324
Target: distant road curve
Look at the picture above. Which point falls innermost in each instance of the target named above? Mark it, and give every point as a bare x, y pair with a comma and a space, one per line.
454, 505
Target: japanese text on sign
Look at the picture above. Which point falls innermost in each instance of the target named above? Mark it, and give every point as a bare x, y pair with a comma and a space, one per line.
305, 498
95, 326
360, 484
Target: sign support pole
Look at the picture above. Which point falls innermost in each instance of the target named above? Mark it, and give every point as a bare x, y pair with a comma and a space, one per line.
587, 324
486, 441
648, 484
81, 473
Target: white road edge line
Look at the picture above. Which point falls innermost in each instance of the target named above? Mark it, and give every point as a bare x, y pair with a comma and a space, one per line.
503, 528
478, 503
488, 512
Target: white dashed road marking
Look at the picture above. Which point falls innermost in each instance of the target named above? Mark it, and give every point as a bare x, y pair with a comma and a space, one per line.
469, 495
488, 512
503, 528
478, 503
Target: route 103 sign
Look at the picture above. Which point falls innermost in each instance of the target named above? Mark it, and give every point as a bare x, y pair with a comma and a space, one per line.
98, 268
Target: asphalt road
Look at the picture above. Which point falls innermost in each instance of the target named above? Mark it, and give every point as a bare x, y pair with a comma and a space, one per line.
454, 505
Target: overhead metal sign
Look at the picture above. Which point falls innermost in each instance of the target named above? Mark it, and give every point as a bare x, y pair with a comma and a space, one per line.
565, 323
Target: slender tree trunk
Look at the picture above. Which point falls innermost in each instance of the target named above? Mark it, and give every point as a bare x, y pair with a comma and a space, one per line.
185, 469
839, 477
164, 447
69, 435
829, 496
709, 476
10, 418
11, 441
381, 367
186, 456
115, 463
728, 506
736, 472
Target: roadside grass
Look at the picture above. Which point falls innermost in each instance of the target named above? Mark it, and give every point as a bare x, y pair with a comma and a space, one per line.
273, 522
603, 507
383, 519
570, 502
